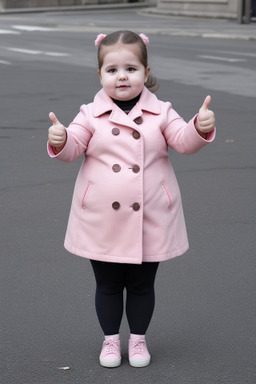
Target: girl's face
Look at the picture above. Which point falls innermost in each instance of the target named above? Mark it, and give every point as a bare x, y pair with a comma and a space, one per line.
122, 74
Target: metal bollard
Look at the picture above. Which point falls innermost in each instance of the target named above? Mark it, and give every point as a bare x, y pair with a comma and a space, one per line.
247, 11
244, 11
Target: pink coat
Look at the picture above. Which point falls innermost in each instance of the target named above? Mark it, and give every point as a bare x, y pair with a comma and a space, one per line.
126, 206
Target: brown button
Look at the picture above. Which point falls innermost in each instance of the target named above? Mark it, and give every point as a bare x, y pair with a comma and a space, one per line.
116, 168
136, 206
136, 135
116, 205
138, 120
115, 131
136, 169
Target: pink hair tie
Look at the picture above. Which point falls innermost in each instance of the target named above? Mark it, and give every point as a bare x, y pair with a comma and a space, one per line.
144, 38
99, 39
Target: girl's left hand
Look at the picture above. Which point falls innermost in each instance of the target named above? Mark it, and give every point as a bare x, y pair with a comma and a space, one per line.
205, 121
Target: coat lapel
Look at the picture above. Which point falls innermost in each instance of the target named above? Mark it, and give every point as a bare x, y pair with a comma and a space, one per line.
103, 103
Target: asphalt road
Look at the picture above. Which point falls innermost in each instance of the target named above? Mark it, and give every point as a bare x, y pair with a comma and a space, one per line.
203, 329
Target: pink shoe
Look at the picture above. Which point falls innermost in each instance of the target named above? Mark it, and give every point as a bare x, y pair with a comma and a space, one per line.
138, 353
110, 356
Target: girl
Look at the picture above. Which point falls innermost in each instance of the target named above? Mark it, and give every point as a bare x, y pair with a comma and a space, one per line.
126, 214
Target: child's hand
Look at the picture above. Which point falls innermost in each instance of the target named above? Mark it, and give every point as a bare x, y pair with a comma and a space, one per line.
57, 133
206, 119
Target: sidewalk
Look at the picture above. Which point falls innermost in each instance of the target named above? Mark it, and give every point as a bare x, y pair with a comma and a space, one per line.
206, 27
178, 26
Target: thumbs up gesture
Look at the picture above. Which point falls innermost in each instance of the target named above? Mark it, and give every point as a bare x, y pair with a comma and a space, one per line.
57, 133
206, 119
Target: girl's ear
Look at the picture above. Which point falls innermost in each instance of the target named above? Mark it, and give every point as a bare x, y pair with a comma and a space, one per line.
99, 74
147, 71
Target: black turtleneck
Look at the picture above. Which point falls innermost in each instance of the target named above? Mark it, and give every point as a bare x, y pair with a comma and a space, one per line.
127, 105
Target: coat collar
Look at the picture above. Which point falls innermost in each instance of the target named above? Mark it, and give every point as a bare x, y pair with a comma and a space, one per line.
148, 102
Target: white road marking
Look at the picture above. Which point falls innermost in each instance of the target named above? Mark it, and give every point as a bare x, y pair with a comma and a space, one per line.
236, 53
5, 62
28, 51
57, 54
32, 28
8, 32
33, 52
229, 60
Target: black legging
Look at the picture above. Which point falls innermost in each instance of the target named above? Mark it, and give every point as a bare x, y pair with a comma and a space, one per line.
111, 279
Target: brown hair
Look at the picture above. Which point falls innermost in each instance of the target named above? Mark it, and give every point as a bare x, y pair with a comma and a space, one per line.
128, 37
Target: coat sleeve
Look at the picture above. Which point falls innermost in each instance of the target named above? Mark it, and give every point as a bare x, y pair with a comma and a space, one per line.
181, 136
79, 134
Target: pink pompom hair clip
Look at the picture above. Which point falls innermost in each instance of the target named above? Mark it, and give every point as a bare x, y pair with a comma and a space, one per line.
99, 39
144, 38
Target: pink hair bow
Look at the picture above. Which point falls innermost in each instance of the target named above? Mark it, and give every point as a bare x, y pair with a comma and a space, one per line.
99, 39
144, 38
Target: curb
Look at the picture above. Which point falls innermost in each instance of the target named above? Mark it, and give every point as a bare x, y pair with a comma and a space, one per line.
76, 8
193, 14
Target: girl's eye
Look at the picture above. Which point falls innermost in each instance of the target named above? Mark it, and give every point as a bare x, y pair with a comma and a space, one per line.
112, 70
131, 69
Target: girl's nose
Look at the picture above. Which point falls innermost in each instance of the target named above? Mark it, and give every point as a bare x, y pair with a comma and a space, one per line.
122, 75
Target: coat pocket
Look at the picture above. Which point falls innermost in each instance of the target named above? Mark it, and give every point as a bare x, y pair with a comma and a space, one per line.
85, 195
167, 194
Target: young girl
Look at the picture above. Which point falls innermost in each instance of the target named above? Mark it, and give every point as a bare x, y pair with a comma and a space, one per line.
126, 214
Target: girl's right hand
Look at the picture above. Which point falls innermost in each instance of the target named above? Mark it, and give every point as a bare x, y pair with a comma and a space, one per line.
57, 133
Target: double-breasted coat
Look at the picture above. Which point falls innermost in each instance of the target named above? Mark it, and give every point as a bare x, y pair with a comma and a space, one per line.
126, 206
